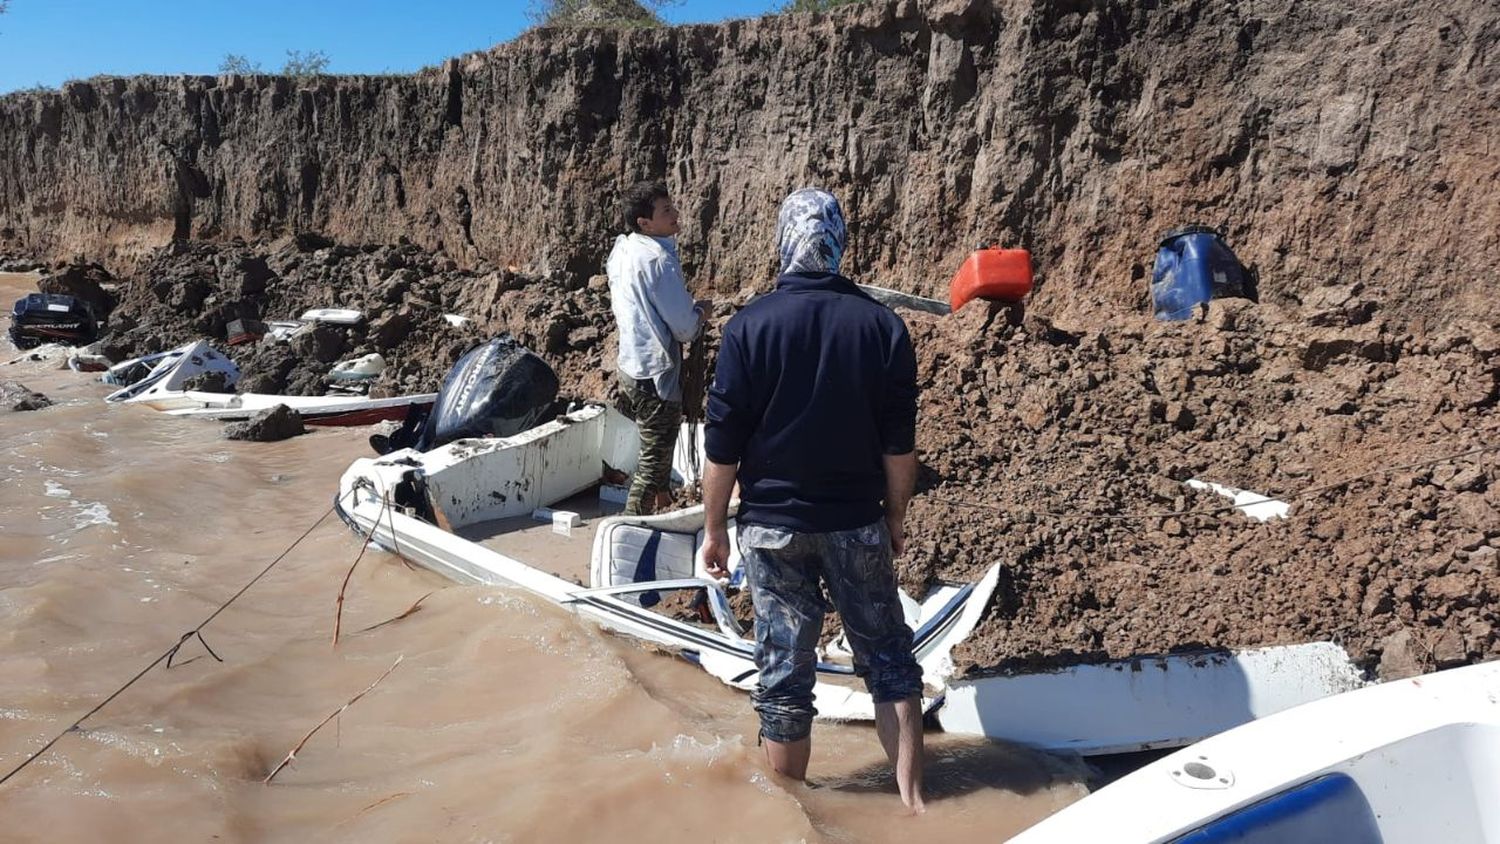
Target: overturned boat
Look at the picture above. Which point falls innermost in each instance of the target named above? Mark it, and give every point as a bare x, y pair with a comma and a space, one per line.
466, 510
164, 388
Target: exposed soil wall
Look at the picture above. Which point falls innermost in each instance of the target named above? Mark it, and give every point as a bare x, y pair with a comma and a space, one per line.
1060, 451
1057, 449
1349, 152
1337, 143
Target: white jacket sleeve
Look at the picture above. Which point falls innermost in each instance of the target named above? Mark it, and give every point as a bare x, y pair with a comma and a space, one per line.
673, 303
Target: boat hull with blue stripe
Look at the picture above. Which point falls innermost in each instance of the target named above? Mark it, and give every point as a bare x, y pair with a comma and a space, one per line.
1413, 761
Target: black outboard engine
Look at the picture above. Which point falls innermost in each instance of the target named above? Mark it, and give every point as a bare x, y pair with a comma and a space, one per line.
496, 390
39, 318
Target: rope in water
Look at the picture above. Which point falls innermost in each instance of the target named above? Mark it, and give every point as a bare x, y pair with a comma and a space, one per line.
172, 651
1211, 511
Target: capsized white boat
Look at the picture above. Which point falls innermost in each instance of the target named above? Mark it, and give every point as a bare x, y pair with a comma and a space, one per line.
448, 510
327, 411
170, 371
128, 372
162, 389
1407, 762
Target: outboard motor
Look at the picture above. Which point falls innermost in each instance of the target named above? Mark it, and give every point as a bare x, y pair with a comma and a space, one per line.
39, 318
1194, 265
496, 390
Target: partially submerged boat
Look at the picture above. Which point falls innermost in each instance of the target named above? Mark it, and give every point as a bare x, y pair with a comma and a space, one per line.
167, 373
465, 510
326, 411
1413, 761
163, 388
462, 511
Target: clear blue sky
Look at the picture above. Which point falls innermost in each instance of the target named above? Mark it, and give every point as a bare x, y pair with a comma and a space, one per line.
50, 41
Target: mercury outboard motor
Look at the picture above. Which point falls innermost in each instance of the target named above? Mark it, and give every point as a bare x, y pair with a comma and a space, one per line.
1194, 265
39, 318
496, 390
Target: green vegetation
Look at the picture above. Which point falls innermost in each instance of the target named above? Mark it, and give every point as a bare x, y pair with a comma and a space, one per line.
619, 14
235, 63
305, 65
299, 65
815, 5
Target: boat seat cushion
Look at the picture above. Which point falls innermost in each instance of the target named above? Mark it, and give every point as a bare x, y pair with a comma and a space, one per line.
641, 554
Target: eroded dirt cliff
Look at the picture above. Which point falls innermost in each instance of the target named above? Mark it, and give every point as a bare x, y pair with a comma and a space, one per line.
1349, 153
1336, 143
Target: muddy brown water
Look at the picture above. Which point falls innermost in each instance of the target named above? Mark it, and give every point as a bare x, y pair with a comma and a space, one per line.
507, 719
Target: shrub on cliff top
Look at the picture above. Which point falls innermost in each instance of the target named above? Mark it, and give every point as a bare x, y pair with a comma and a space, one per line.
303, 65
598, 13
299, 65
815, 5
235, 63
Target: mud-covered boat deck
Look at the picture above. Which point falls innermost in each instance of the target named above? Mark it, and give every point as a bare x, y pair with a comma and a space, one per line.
533, 542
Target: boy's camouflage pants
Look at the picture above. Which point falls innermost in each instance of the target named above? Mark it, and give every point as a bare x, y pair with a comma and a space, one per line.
659, 422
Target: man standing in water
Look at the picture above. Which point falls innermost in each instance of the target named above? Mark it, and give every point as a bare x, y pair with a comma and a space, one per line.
813, 408
656, 315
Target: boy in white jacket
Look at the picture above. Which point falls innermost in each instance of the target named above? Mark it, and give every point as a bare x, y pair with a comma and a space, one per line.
656, 315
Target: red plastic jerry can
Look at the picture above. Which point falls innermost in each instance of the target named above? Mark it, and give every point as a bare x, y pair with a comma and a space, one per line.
1000, 275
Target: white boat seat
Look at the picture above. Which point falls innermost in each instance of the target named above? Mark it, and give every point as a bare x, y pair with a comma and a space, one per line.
641, 554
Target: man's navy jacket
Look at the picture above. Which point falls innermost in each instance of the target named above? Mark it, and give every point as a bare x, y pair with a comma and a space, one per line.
815, 382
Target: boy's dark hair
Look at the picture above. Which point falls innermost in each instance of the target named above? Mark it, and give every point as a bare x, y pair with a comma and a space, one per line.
640, 201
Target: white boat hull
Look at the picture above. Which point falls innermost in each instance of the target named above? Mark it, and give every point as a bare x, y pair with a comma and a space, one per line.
162, 389
1147, 702
170, 371
315, 410
1408, 762
473, 481
1118, 706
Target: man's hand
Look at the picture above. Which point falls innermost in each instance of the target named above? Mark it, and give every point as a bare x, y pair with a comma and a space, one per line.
718, 484
898, 535
900, 479
716, 552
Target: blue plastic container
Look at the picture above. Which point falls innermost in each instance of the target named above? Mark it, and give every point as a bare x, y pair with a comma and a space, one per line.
1193, 266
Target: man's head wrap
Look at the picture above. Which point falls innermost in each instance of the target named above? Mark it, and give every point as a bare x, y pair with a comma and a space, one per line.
810, 233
